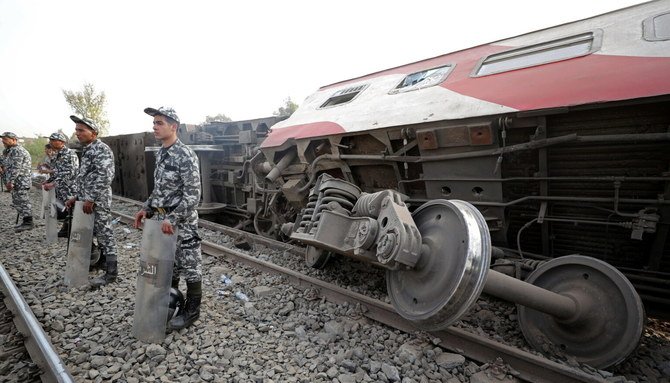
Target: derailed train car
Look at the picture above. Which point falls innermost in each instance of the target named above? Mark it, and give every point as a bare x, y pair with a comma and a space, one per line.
559, 137
548, 144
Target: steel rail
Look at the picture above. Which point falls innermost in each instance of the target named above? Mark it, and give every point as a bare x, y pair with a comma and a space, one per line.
644, 287
530, 367
37, 343
232, 232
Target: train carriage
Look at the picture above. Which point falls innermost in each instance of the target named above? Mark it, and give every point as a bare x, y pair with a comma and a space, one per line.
543, 157
559, 137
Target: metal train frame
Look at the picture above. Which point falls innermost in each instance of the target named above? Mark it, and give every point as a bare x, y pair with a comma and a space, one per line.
547, 144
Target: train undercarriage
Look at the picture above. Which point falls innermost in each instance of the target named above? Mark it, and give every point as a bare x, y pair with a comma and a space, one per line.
453, 209
448, 208
590, 181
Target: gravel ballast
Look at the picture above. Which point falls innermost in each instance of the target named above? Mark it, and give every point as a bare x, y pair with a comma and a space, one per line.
281, 334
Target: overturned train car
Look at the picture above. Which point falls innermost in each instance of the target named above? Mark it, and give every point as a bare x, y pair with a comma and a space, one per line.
559, 138
506, 155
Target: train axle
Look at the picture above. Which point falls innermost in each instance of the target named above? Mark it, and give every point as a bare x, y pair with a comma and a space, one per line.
437, 261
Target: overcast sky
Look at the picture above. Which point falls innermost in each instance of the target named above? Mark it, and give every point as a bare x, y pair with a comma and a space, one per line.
240, 58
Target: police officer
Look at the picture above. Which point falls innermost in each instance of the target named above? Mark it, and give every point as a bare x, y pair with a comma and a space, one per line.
44, 167
64, 165
173, 201
17, 180
3, 174
93, 185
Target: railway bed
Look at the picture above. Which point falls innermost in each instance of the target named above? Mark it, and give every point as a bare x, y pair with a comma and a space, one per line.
526, 366
284, 336
14, 358
490, 318
26, 355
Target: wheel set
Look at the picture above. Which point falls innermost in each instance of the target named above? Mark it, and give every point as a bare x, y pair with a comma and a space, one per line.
583, 306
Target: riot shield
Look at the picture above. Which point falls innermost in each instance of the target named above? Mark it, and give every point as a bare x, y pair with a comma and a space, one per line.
153, 283
51, 216
79, 248
45, 203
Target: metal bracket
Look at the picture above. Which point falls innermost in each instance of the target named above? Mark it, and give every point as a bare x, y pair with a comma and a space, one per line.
542, 213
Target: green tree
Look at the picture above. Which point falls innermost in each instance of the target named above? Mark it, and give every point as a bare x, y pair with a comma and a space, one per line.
35, 146
286, 110
90, 104
218, 118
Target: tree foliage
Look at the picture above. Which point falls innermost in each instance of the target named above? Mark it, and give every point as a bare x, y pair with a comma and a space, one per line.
90, 104
218, 118
35, 146
287, 109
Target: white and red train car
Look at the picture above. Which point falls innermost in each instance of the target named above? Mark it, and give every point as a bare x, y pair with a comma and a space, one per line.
494, 158
559, 137
618, 56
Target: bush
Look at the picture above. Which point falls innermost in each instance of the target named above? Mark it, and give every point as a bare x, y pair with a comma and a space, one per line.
35, 146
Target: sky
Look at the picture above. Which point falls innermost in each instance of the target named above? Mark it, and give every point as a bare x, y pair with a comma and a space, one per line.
239, 58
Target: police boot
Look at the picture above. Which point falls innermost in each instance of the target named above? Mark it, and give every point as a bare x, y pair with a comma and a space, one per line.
62, 215
64, 231
108, 277
26, 225
101, 262
191, 310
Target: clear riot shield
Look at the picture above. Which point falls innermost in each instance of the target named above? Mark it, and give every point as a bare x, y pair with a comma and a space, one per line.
51, 217
153, 283
45, 203
79, 247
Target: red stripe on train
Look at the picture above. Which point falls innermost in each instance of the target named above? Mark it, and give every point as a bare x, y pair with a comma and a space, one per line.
278, 137
585, 80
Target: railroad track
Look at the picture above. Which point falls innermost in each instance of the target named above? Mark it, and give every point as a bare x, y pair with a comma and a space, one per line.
526, 366
653, 287
45, 363
529, 367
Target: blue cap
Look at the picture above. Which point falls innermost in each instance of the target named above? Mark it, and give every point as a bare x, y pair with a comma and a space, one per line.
85, 121
163, 111
8, 135
58, 136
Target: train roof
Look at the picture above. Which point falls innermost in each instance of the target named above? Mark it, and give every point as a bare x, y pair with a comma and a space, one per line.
620, 55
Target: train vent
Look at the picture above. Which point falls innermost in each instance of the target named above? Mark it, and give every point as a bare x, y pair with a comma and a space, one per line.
343, 96
538, 54
423, 79
657, 28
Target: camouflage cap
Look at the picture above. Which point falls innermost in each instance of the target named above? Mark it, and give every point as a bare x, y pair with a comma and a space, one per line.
163, 111
58, 136
9, 135
85, 121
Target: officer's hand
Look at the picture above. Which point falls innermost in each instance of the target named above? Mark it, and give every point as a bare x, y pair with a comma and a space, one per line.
166, 227
69, 203
9, 186
88, 207
139, 216
48, 186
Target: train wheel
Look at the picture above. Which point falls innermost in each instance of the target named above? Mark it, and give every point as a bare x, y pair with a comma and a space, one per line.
451, 273
266, 225
611, 319
316, 258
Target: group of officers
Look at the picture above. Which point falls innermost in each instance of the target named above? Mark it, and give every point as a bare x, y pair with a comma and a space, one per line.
173, 201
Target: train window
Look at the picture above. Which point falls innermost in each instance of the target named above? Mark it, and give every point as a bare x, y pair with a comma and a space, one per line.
657, 28
423, 79
344, 95
538, 54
